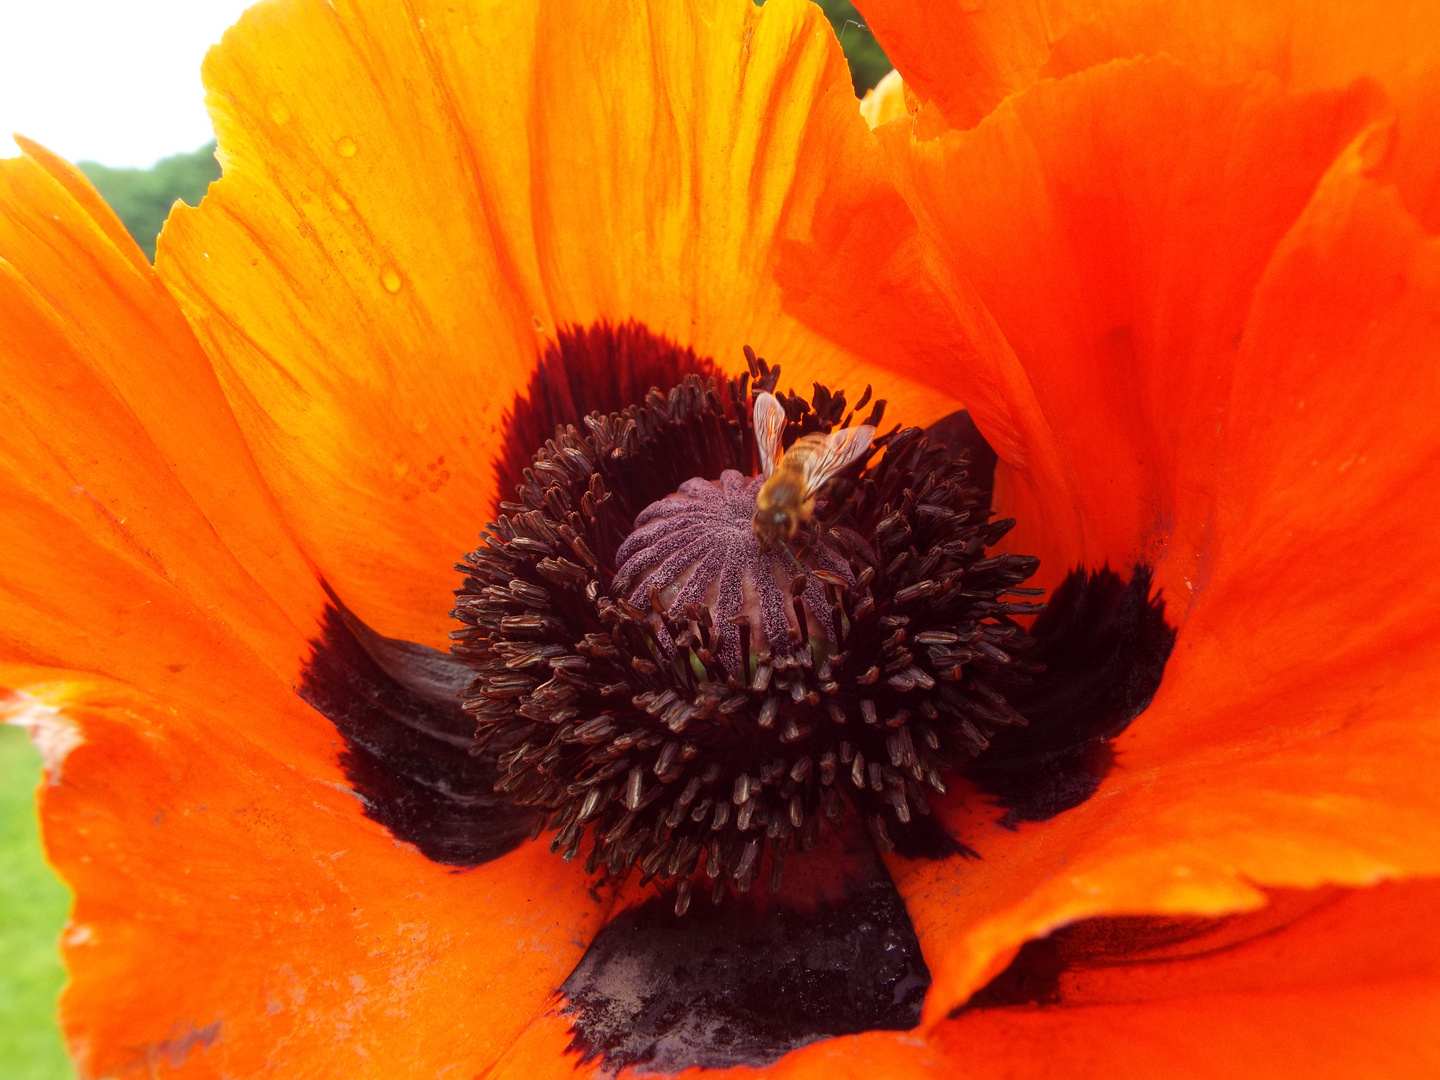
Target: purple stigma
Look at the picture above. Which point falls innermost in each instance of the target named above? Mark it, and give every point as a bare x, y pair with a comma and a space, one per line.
698, 546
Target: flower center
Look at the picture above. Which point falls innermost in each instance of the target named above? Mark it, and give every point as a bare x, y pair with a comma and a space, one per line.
699, 698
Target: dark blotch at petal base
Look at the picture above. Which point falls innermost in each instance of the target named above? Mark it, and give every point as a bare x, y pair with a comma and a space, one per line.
746, 981
1104, 643
407, 743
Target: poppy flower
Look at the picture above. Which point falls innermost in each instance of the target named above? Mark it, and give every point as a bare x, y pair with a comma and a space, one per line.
1177, 267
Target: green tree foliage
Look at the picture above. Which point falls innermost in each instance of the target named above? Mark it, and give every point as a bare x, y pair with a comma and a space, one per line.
143, 197
868, 63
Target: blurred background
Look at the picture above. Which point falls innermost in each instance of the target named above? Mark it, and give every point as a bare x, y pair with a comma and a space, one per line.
115, 87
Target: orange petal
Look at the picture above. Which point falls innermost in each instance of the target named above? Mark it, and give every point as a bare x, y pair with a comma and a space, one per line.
185, 840
967, 56
408, 215
963, 55
156, 617
1319, 1033
1118, 263
1081, 283
1290, 741
1301, 937
1350, 987
544, 1050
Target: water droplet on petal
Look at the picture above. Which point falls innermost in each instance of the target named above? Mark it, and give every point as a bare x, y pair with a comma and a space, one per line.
338, 203
345, 146
390, 279
278, 110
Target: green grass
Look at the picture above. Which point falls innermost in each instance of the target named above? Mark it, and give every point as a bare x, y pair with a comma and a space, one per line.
33, 905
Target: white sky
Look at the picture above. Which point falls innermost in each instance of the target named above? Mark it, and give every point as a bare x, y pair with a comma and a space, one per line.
114, 81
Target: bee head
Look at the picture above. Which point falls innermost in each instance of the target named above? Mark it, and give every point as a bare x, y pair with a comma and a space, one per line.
775, 523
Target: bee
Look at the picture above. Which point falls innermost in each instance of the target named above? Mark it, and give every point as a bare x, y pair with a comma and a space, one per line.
794, 478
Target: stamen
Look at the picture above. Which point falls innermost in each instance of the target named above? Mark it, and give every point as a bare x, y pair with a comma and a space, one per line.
653, 674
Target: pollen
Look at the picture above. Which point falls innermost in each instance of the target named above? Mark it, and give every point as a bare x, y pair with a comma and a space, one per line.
679, 696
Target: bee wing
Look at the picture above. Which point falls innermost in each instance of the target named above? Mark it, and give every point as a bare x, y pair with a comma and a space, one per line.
842, 448
769, 426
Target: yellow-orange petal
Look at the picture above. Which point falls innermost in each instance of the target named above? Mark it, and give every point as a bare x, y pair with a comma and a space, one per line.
885, 101
1292, 735
408, 215
127, 481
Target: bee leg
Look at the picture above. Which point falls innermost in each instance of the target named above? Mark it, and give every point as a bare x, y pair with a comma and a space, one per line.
807, 536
